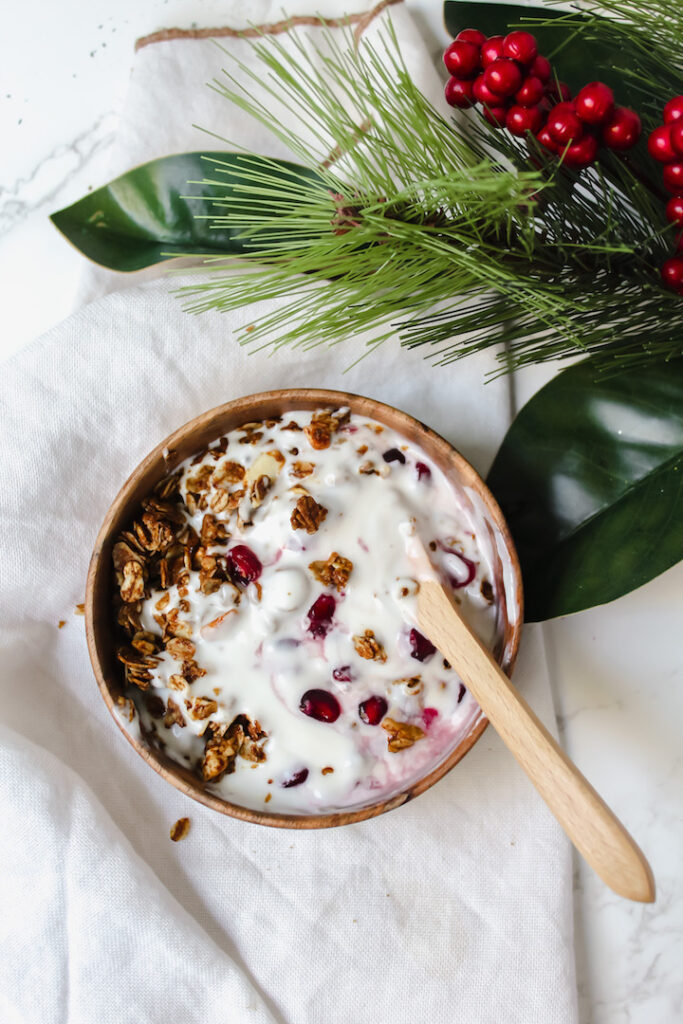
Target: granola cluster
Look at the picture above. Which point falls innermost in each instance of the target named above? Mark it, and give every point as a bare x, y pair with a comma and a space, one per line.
401, 734
180, 829
367, 646
307, 514
162, 550
334, 571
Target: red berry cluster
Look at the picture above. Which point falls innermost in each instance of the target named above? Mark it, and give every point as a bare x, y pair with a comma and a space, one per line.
515, 85
666, 145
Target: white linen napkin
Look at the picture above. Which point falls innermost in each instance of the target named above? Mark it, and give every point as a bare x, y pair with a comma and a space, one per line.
454, 909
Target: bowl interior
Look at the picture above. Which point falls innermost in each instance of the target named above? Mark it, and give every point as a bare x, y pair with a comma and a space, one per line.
198, 434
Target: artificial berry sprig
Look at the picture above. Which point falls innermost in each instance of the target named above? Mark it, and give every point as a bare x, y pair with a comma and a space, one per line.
666, 145
515, 85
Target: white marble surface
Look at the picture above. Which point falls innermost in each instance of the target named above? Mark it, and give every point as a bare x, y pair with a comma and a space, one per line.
617, 671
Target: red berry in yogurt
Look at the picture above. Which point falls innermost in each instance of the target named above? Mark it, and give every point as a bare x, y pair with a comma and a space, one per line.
428, 716
296, 779
320, 615
321, 705
465, 567
343, 674
394, 455
422, 649
372, 710
243, 565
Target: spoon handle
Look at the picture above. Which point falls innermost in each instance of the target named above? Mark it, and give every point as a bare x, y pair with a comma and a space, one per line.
592, 827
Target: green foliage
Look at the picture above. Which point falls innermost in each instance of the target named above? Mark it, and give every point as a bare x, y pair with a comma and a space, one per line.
459, 235
590, 479
143, 216
423, 224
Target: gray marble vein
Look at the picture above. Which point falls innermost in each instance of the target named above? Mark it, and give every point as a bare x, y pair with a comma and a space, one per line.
52, 173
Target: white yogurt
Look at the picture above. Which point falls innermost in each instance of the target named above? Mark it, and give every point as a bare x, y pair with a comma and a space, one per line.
254, 640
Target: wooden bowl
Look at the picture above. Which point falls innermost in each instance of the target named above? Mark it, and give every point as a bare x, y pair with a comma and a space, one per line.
197, 435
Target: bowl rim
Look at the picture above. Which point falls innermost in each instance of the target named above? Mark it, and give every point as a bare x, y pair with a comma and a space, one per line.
300, 398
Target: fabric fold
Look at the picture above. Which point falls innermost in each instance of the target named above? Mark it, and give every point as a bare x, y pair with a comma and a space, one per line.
100, 938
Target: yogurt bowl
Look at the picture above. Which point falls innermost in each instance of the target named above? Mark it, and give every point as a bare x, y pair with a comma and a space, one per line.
251, 602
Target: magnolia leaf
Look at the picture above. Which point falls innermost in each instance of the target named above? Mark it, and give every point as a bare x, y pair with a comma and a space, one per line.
590, 479
145, 216
577, 61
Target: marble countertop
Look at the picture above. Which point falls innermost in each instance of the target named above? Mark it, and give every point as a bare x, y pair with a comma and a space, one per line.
617, 671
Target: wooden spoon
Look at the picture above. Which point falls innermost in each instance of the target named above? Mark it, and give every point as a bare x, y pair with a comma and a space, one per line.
592, 827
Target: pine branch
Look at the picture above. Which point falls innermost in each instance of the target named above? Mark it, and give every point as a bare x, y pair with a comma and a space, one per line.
447, 230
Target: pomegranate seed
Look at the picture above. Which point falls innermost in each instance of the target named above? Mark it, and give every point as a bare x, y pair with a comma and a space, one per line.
520, 46
320, 615
471, 35
321, 705
243, 565
564, 124
462, 59
595, 103
461, 692
659, 144
672, 274
521, 120
296, 779
394, 455
491, 50
343, 674
673, 110
496, 116
530, 92
674, 210
322, 608
582, 153
673, 178
503, 78
423, 471
459, 93
422, 648
372, 710
541, 69
623, 129
481, 92
428, 716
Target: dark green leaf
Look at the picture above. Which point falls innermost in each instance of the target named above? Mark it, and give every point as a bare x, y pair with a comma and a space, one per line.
145, 217
590, 478
576, 62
